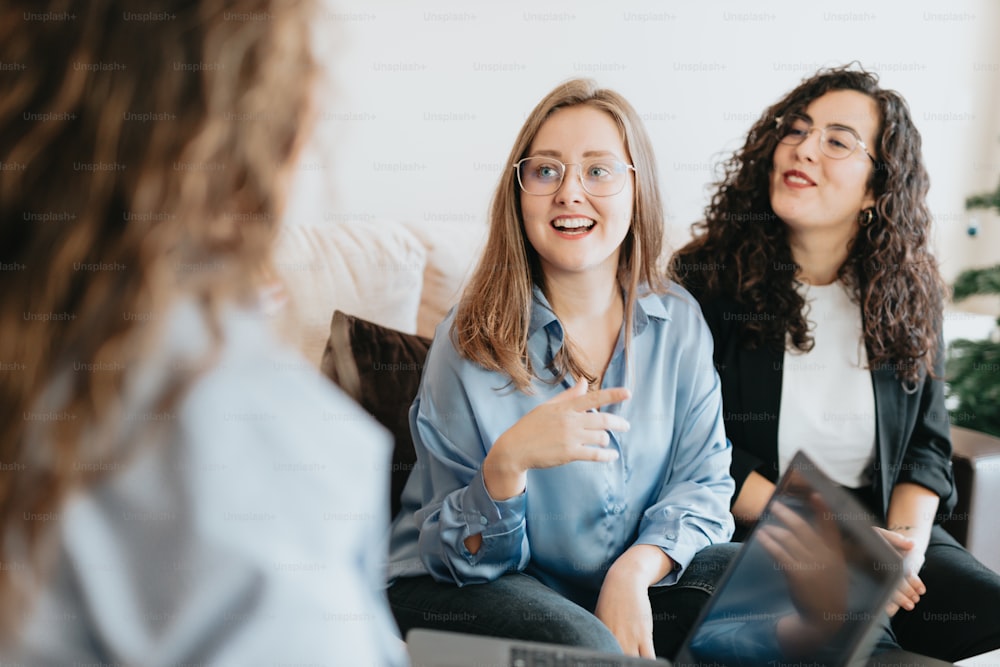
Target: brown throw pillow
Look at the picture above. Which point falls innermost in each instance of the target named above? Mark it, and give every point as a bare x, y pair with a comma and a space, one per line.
379, 368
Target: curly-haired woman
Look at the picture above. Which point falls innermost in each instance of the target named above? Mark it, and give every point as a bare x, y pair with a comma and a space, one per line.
147, 416
813, 270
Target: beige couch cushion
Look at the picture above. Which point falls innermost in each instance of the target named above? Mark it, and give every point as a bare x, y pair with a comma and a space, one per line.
372, 270
453, 250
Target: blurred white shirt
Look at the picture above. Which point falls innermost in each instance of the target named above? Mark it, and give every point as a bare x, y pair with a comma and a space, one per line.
247, 527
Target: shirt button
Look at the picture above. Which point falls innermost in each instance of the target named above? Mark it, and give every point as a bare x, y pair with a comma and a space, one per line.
483, 520
671, 536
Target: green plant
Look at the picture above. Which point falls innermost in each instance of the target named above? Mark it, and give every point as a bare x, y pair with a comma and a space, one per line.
973, 366
984, 200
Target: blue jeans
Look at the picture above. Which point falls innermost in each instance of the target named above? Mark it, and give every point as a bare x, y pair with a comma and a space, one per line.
518, 606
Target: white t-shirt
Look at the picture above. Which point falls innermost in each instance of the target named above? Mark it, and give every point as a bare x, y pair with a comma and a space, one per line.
827, 399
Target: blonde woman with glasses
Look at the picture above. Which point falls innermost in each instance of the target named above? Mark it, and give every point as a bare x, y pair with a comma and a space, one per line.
571, 462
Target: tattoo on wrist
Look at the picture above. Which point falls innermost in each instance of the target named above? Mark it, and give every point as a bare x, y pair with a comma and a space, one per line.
900, 528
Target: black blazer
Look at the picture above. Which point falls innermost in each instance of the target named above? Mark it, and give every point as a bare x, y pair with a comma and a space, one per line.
913, 435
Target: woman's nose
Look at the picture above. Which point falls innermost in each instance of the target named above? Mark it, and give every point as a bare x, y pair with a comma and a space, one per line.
571, 188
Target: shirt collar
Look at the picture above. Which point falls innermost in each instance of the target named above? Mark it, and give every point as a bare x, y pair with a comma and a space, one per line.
543, 318
542, 315
646, 307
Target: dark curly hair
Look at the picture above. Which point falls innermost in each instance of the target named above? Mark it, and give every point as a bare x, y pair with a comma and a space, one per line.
889, 269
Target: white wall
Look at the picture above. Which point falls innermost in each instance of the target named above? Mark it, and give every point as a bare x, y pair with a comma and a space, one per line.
429, 95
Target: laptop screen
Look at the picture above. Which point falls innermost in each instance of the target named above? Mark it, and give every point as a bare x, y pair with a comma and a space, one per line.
808, 586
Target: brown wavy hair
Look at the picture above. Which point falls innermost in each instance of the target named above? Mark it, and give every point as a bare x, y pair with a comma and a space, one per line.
145, 156
491, 323
889, 269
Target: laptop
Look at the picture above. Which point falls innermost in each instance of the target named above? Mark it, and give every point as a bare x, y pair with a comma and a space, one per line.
807, 587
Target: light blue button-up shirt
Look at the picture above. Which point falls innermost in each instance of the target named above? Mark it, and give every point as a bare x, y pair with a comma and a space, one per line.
670, 486
238, 527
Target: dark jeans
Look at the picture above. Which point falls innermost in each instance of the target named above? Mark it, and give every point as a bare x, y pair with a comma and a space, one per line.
518, 606
959, 616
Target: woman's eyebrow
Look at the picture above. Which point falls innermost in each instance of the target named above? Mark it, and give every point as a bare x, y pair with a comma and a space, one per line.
843, 126
552, 153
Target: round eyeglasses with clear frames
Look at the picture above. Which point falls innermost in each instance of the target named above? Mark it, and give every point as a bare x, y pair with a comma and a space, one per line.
600, 177
835, 141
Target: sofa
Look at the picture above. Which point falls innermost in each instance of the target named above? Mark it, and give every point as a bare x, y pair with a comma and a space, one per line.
361, 301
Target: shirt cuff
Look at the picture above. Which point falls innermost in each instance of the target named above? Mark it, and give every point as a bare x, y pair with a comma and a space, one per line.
681, 551
492, 517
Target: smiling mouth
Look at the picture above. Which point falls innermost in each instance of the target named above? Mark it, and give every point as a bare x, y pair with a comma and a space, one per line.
575, 226
797, 179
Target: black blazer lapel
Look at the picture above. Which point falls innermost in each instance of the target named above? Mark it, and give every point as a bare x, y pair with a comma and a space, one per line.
890, 418
762, 390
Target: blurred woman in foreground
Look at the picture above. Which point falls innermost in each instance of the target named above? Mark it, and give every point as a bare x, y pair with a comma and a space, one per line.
154, 504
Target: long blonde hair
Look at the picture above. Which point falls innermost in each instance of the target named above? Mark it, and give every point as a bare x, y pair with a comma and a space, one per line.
144, 155
491, 323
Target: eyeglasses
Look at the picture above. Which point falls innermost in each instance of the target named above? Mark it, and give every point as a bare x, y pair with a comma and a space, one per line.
600, 177
835, 141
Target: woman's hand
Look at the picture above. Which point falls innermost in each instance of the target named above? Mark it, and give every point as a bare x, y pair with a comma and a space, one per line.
565, 428
623, 604
910, 587
910, 517
624, 607
811, 557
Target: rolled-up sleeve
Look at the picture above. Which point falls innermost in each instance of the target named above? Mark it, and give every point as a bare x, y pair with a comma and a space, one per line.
455, 504
692, 510
927, 459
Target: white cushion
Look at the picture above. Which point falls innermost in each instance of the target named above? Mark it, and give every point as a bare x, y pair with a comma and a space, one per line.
453, 250
371, 270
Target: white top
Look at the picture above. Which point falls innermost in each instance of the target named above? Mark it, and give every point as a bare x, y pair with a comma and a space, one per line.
250, 530
827, 399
